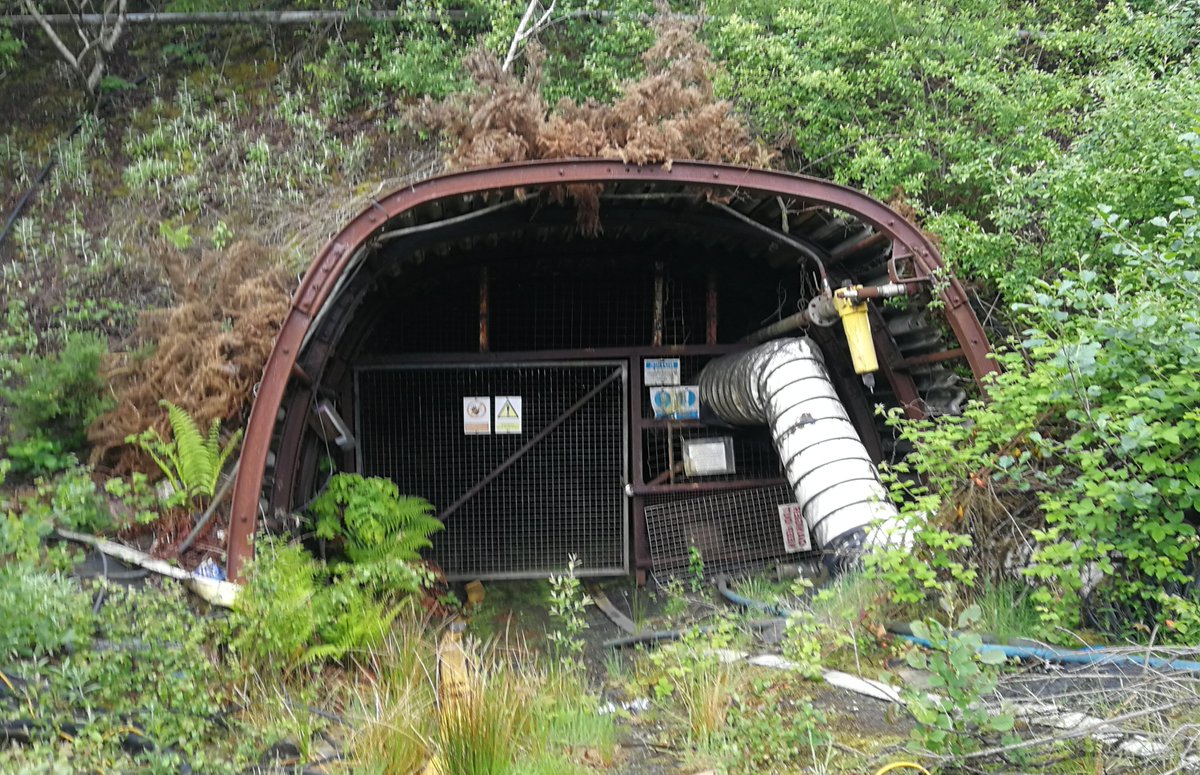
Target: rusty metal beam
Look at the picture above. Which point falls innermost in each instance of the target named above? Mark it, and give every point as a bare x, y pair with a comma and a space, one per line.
322, 277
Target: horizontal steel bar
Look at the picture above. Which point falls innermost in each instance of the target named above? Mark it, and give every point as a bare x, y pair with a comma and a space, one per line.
695, 487
928, 358
525, 356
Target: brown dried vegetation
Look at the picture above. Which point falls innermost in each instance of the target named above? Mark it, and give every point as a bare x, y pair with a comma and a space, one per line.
208, 350
670, 114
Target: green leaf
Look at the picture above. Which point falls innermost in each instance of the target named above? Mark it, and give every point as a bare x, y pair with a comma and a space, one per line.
992, 656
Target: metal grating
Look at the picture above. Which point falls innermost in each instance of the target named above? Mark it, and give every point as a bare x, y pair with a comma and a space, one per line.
563, 496
733, 530
533, 308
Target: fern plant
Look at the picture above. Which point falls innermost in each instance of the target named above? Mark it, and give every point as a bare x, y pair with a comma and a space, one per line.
375, 520
190, 461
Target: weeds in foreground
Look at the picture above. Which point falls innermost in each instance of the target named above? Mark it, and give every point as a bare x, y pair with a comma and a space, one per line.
952, 720
697, 681
568, 601
471, 708
1007, 611
484, 732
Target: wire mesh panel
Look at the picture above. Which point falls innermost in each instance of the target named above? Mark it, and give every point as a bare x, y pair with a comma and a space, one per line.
544, 498
732, 530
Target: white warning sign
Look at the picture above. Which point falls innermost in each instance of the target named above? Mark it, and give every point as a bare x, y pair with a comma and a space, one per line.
660, 371
795, 530
477, 415
508, 414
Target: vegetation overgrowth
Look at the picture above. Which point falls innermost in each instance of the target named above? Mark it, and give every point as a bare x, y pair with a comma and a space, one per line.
1051, 149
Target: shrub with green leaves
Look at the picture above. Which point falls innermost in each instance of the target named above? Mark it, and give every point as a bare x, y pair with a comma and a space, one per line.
374, 519
52, 401
1002, 139
568, 602
295, 609
274, 616
70, 500
952, 718
1083, 467
42, 613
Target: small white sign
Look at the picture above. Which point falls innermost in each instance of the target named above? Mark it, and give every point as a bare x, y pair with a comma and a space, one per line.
708, 456
660, 371
795, 529
508, 414
477, 415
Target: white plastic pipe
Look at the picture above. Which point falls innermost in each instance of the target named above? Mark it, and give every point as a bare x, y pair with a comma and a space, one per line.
783, 384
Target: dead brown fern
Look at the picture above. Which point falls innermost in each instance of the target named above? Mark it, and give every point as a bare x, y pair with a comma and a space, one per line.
669, 114
206, 353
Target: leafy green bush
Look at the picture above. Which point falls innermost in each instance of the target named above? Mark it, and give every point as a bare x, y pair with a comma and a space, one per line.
395, 63
1002, 141
952, 718
10, 48
71, 500
42, 613
274, 616
568, 602
297, 610
375, 520
780, 736
1084, 465
54, 399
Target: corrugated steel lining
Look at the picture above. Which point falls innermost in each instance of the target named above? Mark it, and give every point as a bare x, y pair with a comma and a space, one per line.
782, 201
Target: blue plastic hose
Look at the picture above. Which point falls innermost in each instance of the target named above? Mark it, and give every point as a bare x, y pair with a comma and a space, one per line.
1096, 655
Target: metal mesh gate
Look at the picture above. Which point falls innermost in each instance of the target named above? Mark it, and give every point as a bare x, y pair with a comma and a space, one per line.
553, 489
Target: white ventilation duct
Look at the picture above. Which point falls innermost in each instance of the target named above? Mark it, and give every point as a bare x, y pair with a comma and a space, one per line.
784, 385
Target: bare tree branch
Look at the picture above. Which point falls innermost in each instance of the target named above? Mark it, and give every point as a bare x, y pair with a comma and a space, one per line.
63, 51
526, 31
89, 63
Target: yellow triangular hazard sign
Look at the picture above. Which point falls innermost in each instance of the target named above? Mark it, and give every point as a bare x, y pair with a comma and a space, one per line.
507, 411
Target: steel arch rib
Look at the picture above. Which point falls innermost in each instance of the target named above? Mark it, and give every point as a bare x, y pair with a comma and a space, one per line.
323, 274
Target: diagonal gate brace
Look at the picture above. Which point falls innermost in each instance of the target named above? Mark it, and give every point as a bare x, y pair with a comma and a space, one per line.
533, 442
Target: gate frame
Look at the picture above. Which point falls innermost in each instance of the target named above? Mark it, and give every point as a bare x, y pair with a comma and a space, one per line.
326, 273
516, 360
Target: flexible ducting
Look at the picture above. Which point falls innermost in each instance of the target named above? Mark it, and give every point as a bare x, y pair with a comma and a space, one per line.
784, 385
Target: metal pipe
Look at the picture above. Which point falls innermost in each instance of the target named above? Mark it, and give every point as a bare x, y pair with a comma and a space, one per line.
820, 312
800, 247
784, 384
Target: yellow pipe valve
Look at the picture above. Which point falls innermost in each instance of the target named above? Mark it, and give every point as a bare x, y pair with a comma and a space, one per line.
853, 313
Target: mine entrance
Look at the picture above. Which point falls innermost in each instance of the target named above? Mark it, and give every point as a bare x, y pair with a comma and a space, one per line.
581, 344
541, 280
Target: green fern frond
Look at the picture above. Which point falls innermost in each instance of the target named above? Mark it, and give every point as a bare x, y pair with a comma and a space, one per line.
223, 457
377, 522
195, 464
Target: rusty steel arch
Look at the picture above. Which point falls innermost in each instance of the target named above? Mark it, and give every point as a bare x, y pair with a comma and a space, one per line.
319, 282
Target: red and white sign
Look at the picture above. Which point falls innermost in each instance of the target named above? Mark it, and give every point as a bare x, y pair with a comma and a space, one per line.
795, 530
